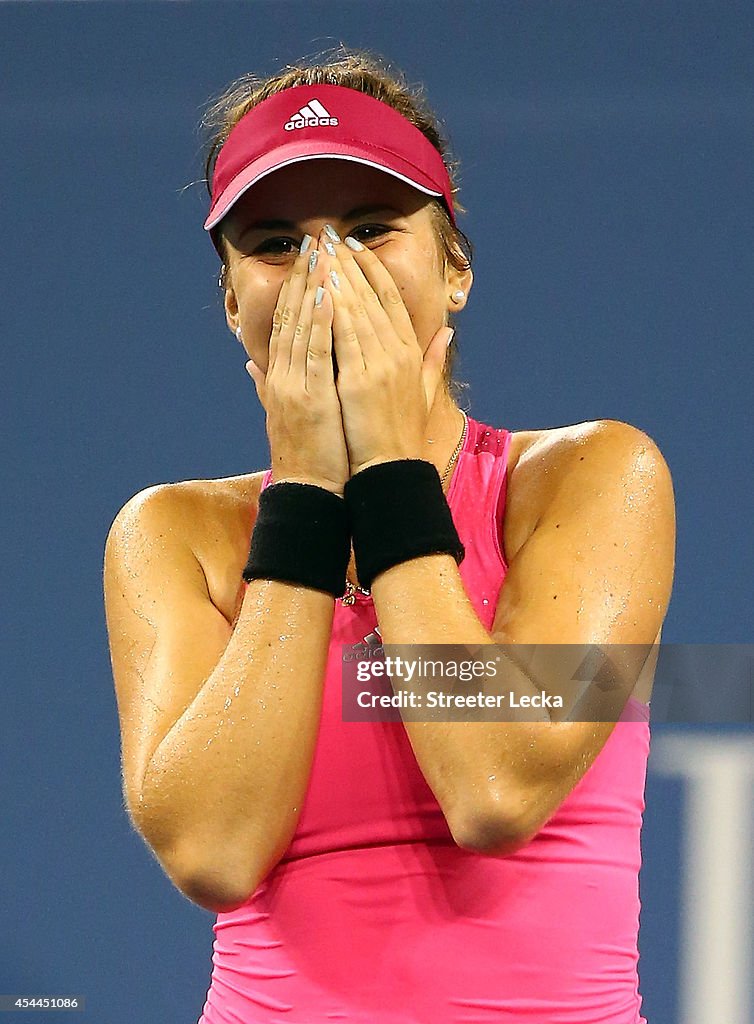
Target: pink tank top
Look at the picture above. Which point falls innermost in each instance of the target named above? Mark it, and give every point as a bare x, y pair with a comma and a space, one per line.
375, 916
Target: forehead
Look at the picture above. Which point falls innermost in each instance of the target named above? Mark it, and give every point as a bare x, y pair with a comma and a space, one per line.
324, 188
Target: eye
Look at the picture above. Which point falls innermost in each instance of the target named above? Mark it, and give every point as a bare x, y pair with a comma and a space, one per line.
369, 232
277, 247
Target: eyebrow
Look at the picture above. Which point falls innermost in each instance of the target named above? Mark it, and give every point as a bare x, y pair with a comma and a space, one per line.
286, 225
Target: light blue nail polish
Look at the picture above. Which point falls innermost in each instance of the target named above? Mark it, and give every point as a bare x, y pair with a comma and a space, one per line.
354, 243
305, 243
313, 260
335, 280
320, 294
330, 249
332, 233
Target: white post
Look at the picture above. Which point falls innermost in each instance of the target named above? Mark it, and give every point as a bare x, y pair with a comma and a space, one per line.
716, 927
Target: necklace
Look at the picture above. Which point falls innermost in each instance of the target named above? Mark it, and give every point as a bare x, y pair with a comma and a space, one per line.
352, 589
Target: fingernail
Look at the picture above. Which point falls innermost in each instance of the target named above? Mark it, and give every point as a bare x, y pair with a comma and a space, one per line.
313, 260
305, 243
335, 280
332, 233
450, 337
330, 249
320, 294
354, 243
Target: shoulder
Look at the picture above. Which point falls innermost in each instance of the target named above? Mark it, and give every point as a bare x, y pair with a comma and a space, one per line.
178, 500
214, 517
566, 464
612, 440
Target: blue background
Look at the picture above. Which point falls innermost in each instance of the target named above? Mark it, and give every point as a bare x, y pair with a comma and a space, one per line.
606, 153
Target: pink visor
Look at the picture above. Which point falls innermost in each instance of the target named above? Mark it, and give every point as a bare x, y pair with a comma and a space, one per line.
319, 121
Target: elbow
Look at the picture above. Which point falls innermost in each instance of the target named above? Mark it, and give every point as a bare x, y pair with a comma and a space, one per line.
209, 885
493, 829
213, 893
202, 876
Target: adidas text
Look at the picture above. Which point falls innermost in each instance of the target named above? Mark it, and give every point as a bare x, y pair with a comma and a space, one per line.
311, 115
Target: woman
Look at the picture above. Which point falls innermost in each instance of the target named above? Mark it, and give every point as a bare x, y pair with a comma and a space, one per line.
382, 871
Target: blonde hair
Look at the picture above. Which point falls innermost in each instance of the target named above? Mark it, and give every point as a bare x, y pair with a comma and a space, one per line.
370, 74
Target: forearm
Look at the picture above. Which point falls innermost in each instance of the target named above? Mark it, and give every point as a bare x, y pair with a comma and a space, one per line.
469, 766
224, 789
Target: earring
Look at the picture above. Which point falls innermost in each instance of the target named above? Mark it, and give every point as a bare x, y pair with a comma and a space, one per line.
238, 334
458, 296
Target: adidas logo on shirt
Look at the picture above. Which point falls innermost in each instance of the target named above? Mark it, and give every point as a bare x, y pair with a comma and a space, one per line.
310, 116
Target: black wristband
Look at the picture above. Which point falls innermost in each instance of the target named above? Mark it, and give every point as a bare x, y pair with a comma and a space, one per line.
397, 511
301, 536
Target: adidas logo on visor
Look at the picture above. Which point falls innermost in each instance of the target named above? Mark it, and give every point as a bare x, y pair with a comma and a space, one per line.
310, 116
